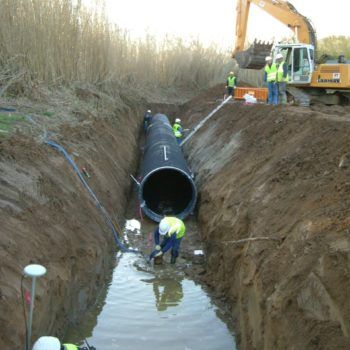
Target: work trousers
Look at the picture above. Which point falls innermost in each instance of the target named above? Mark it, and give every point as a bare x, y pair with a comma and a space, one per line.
273, 93
230, 90
175, 248
282, 92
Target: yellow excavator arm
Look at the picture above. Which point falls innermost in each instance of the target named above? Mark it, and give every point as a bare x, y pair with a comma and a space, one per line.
283, 11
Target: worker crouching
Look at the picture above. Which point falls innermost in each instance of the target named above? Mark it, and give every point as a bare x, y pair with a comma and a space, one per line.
173, 230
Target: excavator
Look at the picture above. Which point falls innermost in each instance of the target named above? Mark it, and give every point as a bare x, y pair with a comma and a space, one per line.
309, 81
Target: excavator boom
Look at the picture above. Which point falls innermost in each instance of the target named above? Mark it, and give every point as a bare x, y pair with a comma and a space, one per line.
285, 12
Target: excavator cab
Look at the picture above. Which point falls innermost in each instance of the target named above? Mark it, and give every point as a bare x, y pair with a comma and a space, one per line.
300, 61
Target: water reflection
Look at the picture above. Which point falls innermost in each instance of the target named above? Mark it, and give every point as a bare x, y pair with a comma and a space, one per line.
156, 309
167, 291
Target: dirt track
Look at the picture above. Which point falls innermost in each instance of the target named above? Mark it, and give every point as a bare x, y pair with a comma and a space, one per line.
274, 173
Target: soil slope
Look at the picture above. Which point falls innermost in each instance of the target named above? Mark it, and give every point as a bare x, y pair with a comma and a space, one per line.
280, 174
47, 217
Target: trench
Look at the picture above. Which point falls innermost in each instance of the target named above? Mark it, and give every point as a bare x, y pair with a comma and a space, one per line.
145, 306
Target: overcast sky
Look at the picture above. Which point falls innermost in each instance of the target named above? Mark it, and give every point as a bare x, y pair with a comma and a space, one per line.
214, 20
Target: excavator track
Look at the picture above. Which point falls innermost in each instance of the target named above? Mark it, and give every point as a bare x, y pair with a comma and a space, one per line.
300, 97
254, 57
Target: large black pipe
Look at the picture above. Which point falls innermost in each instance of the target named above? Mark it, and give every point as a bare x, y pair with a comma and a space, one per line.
166, 185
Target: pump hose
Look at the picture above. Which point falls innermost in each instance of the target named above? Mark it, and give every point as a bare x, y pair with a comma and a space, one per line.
98, 204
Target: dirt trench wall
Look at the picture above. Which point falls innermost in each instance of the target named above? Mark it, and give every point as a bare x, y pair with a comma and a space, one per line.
282, 174
47, 217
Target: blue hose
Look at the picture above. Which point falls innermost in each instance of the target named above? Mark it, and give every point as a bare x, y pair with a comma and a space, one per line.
108, 219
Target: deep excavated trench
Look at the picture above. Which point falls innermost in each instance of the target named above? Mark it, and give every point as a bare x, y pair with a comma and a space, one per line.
144, 306
51, 219
280, 174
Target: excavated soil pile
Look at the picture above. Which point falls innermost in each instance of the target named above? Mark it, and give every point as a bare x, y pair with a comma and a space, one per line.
279, 180
48, 217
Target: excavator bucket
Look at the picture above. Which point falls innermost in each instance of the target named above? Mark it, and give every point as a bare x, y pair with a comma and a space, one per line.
254, 57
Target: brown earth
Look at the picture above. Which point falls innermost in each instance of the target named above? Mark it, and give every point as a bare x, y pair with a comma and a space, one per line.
276, 174
47, 217
280, 174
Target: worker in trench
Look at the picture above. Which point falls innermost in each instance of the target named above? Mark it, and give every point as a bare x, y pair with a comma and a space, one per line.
172, 230
282, 78
270, 76
147, 118
231, 83
178, 130
53, 343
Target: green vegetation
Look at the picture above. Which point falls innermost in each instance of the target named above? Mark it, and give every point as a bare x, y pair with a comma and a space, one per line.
7, 121
48, 114
334, 46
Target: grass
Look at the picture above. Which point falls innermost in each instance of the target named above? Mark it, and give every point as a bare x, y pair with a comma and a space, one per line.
49, 114
7, 121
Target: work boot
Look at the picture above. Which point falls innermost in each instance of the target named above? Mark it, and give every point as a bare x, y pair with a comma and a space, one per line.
173, 260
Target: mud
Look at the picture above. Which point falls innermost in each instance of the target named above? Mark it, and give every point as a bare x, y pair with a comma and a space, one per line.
280, 175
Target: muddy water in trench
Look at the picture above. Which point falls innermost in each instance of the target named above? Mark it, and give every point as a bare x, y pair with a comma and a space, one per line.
153, 307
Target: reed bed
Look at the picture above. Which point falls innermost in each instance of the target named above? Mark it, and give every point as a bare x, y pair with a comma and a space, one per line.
61, 42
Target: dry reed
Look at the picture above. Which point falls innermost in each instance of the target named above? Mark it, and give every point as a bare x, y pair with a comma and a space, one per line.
60, 42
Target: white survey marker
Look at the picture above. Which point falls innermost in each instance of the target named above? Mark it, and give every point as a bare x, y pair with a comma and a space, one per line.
198, 252
200, 124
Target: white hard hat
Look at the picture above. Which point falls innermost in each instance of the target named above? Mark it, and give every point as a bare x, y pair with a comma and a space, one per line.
47, 343
163, 228
149, 111
279, 56
268, 58
177, 120
232, 72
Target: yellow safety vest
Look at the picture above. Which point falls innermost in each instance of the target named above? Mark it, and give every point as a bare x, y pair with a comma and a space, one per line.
271, 72
280, 73
70, 347
231, 81
176, 130
176, 226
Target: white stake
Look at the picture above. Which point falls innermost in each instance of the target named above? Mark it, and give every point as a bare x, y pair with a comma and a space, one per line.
32, 271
